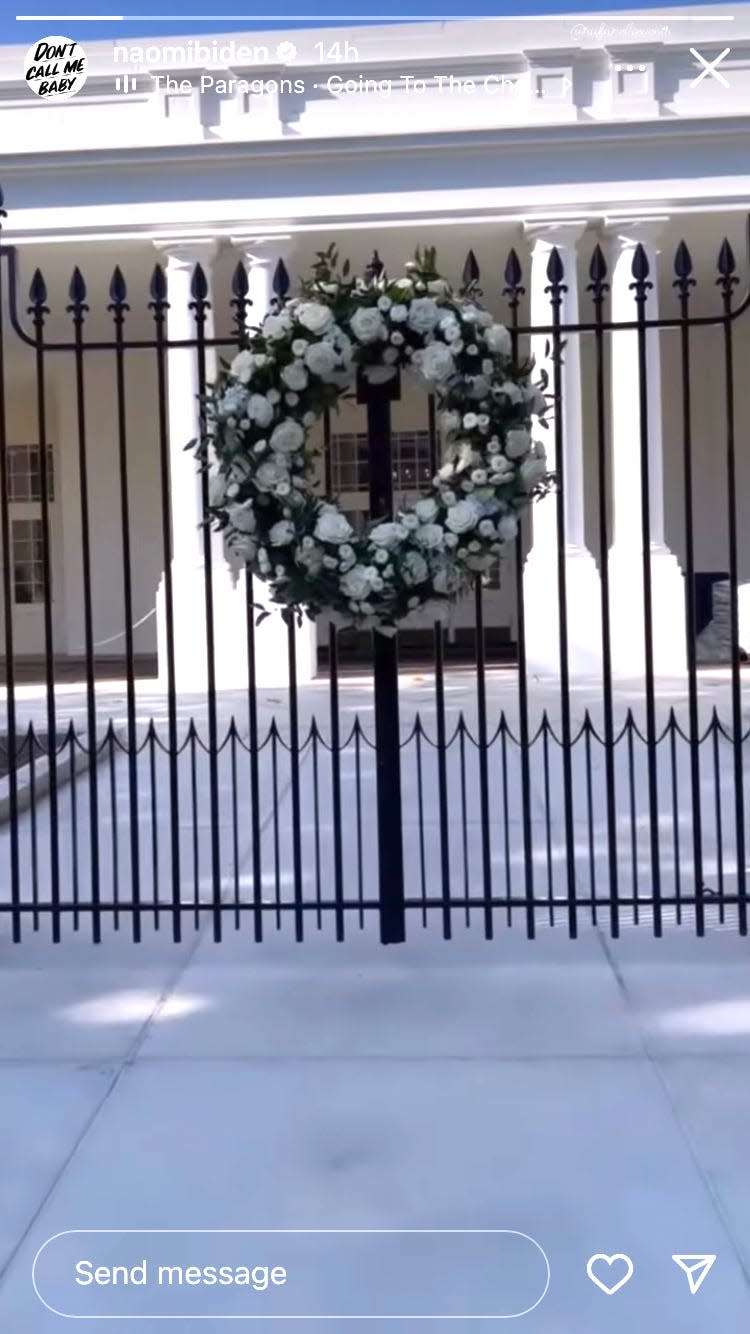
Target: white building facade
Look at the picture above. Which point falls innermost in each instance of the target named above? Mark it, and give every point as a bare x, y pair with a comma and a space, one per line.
481, 136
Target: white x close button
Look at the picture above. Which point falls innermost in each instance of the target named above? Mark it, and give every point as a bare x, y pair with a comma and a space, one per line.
709, 67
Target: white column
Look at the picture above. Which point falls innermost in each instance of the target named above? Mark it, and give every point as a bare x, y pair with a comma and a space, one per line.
271, 636
626, 554
188, 564
541, 574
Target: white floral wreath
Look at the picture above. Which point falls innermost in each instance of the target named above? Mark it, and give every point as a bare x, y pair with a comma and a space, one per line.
306, 355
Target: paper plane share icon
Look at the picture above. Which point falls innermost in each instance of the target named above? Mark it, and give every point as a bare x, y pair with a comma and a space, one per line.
695, 1268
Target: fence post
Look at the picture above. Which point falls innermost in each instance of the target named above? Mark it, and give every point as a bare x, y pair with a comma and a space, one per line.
378, 398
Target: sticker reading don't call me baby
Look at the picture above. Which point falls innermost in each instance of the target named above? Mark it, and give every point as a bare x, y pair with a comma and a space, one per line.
55, 68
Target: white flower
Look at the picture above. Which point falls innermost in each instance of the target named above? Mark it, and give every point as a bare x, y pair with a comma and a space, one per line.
330, 562
502, 468
483, 421
281, 533
479, 477
321, 358
437, 362
471, 420
381, 556
414, 568
287, 437
367, 324
429, 536
410, 522
517, 442
397, 338
242, 517
355, 584
472, 349
499, 340
273, 396
291, 400
451, 540
260, 410
269, 474
309, 419
332, 526
486, 528
398, 314
533, 468
298, 347
426, 509
242, 367
314, 316
463, 516
423, 314
275, 326
294, 376
507, 527
384, 303
450, 328
387, 535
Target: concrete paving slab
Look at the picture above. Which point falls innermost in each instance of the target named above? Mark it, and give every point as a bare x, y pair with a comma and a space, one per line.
583, 1155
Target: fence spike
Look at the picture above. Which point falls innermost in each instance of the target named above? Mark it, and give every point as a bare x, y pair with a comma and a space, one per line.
726, 262
118, 290
38, 291
240, 282
513, 274
683, 267
158, 286
77, 291
640, 268
470, 276
374, 268
555, 268
3, 213
199, 285
281, 282
597, 269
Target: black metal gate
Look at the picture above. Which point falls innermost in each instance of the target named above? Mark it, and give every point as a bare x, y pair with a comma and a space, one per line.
456, 799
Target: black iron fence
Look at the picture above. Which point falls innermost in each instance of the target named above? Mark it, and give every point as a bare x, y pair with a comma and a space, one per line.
454, 801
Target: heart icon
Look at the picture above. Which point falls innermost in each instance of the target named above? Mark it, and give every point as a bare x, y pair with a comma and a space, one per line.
599, 1261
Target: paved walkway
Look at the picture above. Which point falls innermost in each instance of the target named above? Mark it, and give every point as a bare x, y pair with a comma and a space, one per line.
594, 1095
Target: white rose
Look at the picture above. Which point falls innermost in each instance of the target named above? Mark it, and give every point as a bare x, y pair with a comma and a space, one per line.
426, 509
287, 437
321, 358
424, 314
384, 303
517, 442
398, 314
314, 316
270, 474
387, 535
507, 527
414, 568
332, 526
242, 517
281, 533
367, 324
298, 347
355, 584
462, 517
294, 376
471, 420
429, 536
242, 367
260, 410
437, 362
479, 477
275, 326
499, 340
